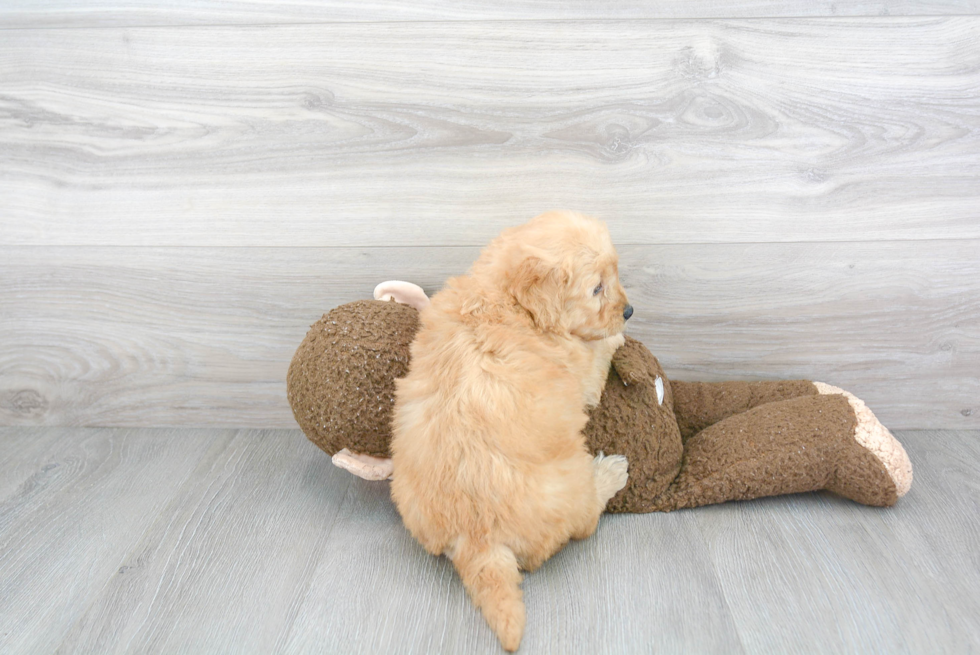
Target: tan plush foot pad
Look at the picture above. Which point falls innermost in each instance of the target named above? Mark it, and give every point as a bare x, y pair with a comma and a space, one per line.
870, 433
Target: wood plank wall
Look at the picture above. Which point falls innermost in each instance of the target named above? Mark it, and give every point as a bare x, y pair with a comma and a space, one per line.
185, 187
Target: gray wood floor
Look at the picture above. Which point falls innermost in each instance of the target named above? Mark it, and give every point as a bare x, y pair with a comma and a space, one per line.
170, 541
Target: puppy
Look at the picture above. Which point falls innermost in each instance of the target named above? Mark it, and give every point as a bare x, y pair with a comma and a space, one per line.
490, 463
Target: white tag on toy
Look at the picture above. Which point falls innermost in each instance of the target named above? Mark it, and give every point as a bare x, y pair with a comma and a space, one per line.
659, 384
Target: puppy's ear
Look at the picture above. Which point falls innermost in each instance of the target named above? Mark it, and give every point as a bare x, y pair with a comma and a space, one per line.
539, 286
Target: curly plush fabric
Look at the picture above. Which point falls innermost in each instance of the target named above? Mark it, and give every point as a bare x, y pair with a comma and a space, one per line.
631, 420
341, 382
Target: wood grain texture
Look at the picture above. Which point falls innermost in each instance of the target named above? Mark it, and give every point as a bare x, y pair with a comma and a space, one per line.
945, 513
257, 544
198, 336
115, 336
898, 324
227, 563
632, 588
26, 452
622, 598
379, 591
67, 526
792, 566
98, 13
429, 133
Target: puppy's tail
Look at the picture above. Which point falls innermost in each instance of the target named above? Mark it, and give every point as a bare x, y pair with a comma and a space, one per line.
491, 576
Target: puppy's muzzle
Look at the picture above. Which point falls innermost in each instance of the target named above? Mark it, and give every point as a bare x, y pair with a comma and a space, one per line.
627, 312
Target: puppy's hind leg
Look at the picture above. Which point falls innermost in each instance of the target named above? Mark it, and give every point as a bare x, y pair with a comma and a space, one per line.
491, 576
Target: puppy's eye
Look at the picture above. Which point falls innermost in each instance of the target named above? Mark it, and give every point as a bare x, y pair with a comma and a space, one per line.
597, 290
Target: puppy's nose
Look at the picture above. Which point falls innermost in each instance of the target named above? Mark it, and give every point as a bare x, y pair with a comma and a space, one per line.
627, 312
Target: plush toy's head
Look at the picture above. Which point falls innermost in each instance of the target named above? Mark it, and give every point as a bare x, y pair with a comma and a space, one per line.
341, 382
341, 386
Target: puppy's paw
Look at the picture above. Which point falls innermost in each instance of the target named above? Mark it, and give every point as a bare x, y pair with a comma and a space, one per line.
611, 474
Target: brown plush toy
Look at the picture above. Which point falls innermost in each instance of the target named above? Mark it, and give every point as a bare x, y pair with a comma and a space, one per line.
687, 443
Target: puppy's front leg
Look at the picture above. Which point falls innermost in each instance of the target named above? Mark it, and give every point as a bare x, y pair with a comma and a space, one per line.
595, 381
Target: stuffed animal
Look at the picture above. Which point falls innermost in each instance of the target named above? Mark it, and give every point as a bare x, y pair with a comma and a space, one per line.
687, 443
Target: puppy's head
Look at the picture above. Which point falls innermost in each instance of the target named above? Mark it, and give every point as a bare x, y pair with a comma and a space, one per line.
561, 267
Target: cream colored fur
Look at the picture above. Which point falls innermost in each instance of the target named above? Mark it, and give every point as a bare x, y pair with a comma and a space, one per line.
490, 463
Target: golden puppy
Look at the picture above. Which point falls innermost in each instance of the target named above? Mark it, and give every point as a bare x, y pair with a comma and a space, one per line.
490, 464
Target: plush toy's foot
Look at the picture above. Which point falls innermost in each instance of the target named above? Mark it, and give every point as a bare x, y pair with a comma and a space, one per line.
404, 292
874, 437
363, 466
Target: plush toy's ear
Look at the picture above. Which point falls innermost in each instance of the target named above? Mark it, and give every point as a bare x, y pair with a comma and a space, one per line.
404, 292
539, 285
631, 367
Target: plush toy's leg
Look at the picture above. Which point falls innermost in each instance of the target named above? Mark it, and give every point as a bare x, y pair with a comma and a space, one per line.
404, 292
823, 441
698, 405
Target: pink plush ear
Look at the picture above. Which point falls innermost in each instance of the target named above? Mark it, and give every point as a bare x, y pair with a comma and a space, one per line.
363, 466
404, 292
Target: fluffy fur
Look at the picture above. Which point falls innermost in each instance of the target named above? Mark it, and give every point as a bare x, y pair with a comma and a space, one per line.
490, 463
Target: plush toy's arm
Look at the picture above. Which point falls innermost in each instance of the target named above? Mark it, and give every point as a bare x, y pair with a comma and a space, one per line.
698, 405
363, 466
